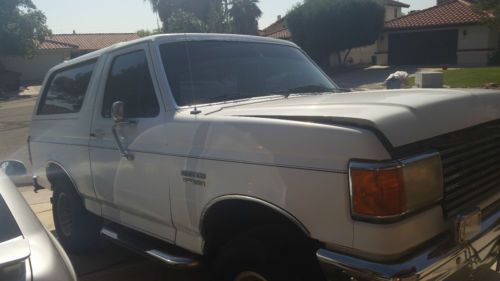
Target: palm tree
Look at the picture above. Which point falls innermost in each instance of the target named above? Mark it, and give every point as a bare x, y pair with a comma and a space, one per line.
245, 15
208, 11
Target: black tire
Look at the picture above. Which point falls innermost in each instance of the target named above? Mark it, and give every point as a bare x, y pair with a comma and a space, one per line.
268, 254
77, 229
14, 86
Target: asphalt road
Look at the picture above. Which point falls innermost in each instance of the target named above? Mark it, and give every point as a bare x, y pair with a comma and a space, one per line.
106, 262
15, 117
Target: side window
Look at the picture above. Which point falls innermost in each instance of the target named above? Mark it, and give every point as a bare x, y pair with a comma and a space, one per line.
129, 81
66, 90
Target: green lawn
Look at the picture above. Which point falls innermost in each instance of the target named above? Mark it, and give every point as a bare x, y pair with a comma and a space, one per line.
468, 77
472, 77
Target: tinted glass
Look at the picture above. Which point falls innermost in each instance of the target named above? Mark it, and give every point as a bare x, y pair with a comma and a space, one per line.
130, 81
215, 71
9, 229
66, 90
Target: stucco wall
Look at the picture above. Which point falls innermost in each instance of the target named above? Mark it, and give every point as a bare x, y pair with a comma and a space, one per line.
34, 70
473, 37
390, 12
474, 45
382, 52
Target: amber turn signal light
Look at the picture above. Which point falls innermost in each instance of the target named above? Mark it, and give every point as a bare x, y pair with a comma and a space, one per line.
393, 188
378, 192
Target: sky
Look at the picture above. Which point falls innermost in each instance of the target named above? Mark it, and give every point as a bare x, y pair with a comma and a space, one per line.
93, 16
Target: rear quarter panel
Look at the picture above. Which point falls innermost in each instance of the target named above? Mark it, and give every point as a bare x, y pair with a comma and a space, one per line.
63, 139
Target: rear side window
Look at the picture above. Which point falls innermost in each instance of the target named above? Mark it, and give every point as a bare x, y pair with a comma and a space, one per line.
130, 81
66, 90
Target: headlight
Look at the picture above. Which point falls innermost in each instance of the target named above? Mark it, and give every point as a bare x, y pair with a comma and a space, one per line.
381, 190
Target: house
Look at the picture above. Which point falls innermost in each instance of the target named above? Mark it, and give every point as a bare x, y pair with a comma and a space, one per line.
58, 48
278, 30
449, 33
363, 55
366, 55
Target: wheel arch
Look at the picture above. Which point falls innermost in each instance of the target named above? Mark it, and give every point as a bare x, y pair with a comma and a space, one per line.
227, 216
54, 169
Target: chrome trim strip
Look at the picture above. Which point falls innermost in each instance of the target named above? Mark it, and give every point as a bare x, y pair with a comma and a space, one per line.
109, 233
431, 264
314, 169
173, 260
254, 200
381, 165
170, 260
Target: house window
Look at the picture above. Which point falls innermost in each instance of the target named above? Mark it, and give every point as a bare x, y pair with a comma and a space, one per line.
66, 90
395, 12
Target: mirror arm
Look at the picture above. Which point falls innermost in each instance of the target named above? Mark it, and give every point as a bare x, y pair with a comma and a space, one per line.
123, 151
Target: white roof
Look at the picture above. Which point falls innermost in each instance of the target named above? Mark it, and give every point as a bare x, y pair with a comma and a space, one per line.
167, 38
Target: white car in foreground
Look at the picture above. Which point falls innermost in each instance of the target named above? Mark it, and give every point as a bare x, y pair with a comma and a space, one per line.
28, 252
240, 152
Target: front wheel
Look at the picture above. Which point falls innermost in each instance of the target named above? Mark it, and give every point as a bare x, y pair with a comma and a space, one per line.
76, 228
267, 254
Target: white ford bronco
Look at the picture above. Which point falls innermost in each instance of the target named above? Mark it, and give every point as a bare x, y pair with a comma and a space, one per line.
238, 152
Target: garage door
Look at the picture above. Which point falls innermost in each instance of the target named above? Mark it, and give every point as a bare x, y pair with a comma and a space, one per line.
423, 48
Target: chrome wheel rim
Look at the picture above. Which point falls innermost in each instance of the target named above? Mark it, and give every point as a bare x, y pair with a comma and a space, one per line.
64, 214
249, 276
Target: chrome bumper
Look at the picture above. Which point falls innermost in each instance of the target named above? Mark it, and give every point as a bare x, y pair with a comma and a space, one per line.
435, 263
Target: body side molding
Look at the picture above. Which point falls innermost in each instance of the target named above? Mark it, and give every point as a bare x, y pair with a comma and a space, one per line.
258, 201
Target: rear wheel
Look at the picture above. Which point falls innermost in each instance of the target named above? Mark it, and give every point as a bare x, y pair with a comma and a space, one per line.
76, 228
268, 254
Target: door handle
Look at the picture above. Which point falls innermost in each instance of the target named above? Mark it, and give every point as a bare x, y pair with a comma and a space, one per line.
98, 133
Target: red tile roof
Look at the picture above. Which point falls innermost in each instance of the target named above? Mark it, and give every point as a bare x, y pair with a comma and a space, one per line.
455, 12
86, 42
278, 30
51, 45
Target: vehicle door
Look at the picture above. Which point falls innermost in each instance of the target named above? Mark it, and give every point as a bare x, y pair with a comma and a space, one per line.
126, 161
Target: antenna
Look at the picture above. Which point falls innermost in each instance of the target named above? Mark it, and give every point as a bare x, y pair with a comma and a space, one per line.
195, 111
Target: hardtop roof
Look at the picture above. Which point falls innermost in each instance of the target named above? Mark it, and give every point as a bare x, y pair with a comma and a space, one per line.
169, 38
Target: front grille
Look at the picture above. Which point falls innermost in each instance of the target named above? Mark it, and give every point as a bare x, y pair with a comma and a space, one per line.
471, 165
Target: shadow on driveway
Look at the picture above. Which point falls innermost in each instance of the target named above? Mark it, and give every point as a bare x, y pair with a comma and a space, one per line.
109, 262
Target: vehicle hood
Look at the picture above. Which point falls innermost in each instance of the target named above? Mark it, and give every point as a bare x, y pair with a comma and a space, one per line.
402, 116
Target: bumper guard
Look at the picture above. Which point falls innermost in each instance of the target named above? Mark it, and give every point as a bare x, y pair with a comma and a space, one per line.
435, 263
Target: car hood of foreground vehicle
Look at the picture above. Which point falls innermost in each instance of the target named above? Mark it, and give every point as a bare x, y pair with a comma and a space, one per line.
27, 250
403, 116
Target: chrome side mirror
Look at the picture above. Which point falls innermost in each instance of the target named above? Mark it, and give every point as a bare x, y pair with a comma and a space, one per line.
16, 171
13, 168
118, 111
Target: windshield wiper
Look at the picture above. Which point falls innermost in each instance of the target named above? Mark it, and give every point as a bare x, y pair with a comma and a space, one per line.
307, 90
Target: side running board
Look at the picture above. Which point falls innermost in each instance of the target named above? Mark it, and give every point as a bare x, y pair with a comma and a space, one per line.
169, 255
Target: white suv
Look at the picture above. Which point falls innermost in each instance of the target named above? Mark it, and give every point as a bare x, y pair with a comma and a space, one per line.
240, 152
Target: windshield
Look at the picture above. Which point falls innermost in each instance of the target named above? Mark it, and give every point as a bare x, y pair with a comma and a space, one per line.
216, 71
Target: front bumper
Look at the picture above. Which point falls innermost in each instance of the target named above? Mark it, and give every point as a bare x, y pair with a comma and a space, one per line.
435, 263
